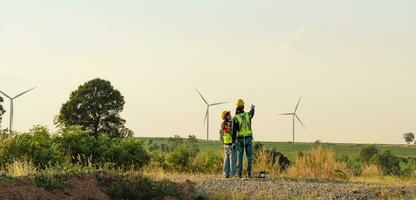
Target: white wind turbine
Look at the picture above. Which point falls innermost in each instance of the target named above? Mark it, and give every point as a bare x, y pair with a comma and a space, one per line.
294, 115
11, 106
206, 119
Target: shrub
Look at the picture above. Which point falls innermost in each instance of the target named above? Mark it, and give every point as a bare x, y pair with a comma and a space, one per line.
388, 163
209, 162
368, 153
180, 158
158, 158
77, 143
126, 152
37, 146
122, 152
408, 167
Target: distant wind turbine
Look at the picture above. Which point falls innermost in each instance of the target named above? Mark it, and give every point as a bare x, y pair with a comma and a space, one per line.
11, 106
206, 119
294, 115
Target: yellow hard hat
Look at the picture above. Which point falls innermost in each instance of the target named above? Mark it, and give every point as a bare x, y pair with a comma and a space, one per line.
225, 113
240, 103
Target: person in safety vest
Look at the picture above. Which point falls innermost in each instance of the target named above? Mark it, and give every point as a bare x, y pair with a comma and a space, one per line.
241, 127
229, 145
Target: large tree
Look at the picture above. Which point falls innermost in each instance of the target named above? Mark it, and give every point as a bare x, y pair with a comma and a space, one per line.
95, 106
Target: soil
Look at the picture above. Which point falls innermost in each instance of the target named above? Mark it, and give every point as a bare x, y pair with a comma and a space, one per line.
79, 188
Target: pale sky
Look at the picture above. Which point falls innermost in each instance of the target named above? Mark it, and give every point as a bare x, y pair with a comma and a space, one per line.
352, 61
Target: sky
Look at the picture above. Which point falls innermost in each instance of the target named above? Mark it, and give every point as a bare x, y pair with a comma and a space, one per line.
353, 62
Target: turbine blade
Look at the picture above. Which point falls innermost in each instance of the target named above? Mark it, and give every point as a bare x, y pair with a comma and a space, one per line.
287, 114
23, 92
206, 116
297, 105
5, 95
216, 104
300, 121
202, 97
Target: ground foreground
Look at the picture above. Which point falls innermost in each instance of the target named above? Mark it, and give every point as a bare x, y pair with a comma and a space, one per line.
207, 187
284, 188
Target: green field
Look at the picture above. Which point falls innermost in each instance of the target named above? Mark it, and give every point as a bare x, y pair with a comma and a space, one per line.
293, 148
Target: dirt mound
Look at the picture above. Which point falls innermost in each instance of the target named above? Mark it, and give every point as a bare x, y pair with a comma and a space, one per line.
79, 188
21, 191
89, 187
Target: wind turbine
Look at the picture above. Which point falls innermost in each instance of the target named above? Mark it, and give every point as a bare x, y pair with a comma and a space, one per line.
206, 119
11, 106
294, 115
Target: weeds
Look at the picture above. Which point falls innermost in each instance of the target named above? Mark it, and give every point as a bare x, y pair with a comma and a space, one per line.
21, 168
319, 163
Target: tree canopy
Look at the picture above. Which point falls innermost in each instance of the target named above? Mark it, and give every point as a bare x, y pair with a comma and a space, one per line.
409, 137
2, 111
95, 106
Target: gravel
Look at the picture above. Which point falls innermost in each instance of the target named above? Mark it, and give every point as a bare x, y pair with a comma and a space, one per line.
296, 189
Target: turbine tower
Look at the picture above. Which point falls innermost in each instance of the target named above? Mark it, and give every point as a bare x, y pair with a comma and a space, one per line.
11, 106
294, 115
206, 119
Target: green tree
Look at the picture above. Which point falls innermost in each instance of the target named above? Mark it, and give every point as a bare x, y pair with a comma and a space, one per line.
95, 106
409, 137
2, 111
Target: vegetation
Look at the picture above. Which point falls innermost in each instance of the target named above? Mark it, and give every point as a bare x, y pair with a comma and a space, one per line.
73, 145
409, 137
95, 106
50, 160
2, 111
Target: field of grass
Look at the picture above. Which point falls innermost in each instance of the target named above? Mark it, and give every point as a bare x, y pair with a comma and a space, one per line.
287, 148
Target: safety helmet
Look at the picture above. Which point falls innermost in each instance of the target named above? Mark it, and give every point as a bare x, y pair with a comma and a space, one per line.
225, 113
240, 103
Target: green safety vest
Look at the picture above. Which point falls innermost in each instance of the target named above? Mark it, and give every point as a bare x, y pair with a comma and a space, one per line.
244, 124
228, 139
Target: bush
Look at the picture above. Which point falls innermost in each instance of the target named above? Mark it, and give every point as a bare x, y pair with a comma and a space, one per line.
122, 152
180, 158
72, 145
388, 163
209, 162
36, 146
368, 153
408, 167
77, 143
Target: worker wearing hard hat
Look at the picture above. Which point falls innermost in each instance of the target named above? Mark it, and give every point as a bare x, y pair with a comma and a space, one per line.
229, 145
241, 127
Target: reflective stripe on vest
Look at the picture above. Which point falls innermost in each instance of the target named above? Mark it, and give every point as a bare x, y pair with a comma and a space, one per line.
244, 124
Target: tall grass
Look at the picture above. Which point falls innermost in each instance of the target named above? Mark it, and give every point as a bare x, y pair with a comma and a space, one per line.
371, 171
263, 163
319, 163
20, 168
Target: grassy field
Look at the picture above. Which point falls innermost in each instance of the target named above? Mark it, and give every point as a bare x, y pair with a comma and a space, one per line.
293, 148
